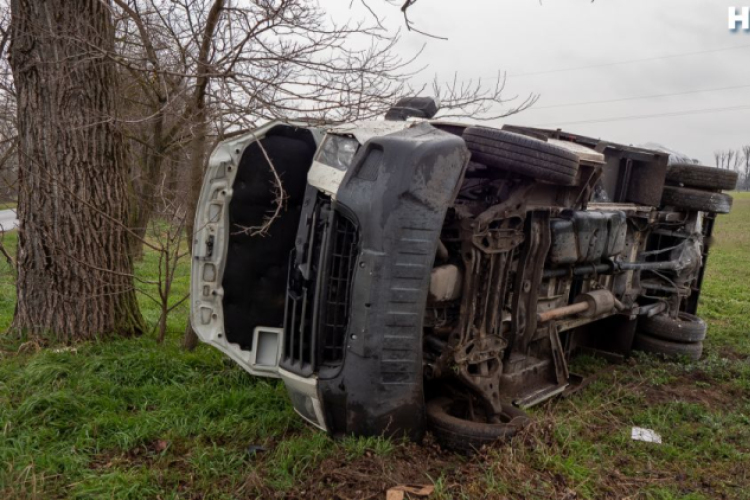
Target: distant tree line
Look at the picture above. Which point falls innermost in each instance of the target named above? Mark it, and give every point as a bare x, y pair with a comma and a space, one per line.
737, 160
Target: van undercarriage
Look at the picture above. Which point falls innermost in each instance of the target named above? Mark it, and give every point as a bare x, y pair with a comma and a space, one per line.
425, 275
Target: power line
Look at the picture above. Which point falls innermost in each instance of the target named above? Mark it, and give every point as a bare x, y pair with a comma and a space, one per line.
630, 61
635, 98
645, 117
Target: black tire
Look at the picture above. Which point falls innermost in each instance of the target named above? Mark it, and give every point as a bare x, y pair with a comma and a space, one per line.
467, 436
686, 328
647, 343
695, 199
702, 177
522, 155
451, 128
527, 132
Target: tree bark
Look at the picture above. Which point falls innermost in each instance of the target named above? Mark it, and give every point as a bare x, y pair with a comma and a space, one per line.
75, 272
198, 145
195, 179
154, 156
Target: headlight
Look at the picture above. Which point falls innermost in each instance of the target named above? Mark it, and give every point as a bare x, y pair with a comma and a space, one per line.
338, 151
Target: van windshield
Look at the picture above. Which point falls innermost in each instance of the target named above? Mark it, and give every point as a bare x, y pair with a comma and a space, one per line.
338, 151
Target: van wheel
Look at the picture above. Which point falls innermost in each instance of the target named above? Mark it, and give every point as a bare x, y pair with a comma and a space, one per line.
695, 199
647, 343
449, 422
686, 328
522, 155
699, 176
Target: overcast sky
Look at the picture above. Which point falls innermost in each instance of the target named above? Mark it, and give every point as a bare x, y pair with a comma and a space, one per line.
687, 42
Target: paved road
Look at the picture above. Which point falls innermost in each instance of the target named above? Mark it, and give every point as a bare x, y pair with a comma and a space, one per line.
8, 220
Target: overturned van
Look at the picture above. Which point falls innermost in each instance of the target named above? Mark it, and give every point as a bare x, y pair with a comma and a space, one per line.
427, 275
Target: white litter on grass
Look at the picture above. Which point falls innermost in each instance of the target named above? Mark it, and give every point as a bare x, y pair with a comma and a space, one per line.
646, 435
65, 349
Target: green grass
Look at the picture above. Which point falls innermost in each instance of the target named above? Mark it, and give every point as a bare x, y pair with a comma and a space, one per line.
135, 419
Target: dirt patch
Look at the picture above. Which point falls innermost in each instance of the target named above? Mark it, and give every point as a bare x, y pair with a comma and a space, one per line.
146, 455
370, 475
513, 470
731, 354
695, 387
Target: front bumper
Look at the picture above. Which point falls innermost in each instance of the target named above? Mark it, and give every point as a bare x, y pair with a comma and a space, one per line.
352, 353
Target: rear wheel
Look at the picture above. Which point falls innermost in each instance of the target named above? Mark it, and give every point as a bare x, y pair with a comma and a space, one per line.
647, 343
685, 328
458, 428
522, 155
695, 199
698, 176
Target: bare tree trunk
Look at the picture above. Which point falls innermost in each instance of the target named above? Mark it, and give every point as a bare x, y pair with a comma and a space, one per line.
198, 145
151, 178
197, 161
75, 273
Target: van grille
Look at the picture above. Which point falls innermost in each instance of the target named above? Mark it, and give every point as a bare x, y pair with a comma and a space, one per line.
338, 289
319, 293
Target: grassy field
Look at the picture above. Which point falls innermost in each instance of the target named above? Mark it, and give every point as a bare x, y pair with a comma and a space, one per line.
134, 419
